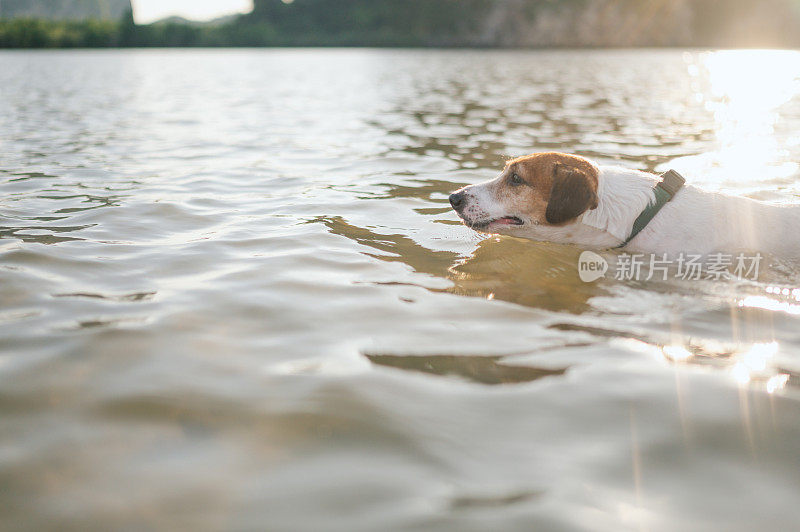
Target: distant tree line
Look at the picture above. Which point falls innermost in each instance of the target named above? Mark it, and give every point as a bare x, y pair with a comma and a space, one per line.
484, 23
64, 9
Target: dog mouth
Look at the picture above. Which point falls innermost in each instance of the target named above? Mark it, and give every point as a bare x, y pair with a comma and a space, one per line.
497, 222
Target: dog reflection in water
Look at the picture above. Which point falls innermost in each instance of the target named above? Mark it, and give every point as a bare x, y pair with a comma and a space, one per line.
518, 271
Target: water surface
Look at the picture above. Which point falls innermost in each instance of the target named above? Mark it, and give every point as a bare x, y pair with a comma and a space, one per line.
233, 296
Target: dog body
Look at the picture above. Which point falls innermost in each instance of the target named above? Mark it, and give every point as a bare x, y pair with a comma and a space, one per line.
568, 199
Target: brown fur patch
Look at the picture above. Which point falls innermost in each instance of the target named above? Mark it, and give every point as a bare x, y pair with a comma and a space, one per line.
558, 187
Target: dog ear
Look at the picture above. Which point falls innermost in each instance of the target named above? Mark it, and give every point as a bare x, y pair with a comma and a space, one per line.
573, 192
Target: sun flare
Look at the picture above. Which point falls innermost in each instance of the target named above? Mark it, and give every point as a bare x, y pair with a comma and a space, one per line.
745, 89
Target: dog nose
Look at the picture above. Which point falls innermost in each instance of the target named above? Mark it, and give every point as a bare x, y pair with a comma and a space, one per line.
457, 199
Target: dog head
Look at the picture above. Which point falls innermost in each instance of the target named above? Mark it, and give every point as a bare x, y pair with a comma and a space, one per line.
536, 196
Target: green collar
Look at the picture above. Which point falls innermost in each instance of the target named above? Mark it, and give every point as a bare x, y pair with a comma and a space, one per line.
671, 182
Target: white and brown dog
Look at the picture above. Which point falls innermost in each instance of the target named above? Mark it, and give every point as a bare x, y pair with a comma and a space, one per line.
557, 197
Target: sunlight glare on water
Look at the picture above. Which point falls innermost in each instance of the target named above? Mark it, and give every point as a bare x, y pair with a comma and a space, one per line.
744, 90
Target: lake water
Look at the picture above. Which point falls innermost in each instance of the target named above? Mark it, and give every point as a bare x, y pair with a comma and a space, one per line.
233, 296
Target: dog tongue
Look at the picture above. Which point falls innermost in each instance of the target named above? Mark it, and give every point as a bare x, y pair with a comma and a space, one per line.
507, 220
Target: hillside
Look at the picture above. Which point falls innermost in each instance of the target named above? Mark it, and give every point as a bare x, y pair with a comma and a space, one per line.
526, 23
64, 9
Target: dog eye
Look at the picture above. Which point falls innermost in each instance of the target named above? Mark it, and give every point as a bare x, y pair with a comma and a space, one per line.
516, 179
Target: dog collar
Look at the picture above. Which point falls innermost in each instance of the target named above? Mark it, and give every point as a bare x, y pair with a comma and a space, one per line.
671, 182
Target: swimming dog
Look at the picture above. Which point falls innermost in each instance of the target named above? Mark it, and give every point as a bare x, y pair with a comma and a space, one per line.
568, 199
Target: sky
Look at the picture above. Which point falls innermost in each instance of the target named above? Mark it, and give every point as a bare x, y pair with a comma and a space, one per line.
149, 10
